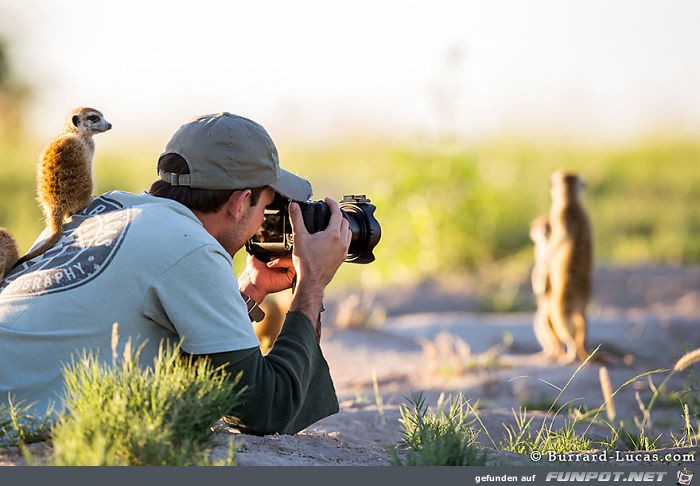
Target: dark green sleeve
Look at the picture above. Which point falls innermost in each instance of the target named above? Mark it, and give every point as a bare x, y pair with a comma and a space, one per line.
288, 389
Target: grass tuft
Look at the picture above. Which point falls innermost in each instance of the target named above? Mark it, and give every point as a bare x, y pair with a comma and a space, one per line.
128, 415
444, 437
524, 438
18, 426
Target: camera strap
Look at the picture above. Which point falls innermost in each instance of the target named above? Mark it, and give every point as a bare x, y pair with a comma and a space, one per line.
255, 313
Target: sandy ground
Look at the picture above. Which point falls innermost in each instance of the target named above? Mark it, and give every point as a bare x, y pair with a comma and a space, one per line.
643, 319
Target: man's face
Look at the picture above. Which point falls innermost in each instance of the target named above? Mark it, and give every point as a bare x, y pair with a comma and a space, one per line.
252, 218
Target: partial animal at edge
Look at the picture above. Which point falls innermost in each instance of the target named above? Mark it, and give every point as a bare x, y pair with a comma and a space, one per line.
9, 253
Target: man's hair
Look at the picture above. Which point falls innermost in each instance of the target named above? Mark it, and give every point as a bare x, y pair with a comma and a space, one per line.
203, 200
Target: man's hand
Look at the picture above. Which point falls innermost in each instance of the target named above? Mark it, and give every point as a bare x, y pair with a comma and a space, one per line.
317, 257
259, 279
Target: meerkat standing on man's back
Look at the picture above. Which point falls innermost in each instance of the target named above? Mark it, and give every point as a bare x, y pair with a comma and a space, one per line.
64, 176
570, 263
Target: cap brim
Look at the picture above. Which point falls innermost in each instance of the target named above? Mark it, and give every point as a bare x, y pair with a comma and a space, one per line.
292, 186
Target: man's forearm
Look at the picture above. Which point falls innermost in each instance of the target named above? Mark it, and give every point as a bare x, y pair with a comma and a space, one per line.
308, 300
288, 389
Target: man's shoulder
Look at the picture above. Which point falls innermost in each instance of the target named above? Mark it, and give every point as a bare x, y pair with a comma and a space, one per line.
161, 223
147, 206
145, 200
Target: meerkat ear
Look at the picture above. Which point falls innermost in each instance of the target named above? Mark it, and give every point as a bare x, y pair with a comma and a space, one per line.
75, 120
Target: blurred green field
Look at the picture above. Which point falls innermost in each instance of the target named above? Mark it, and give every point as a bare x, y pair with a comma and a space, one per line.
452, 208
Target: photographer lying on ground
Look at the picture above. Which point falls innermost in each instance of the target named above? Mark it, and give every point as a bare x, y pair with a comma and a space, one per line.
159, 265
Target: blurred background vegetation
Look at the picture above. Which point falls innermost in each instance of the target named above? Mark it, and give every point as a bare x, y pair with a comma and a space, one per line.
447, 207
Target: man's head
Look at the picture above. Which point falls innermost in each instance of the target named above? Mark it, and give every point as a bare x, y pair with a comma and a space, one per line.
225, 151
220, 166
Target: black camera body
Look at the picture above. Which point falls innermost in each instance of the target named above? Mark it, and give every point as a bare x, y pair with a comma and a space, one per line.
275, 237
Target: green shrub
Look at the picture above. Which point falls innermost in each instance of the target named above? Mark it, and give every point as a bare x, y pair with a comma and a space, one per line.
127, 415
19, 426
524, 438
438, 438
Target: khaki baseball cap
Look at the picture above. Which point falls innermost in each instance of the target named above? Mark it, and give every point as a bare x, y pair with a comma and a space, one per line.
226, 151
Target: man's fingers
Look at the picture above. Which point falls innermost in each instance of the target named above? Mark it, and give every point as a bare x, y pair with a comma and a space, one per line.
281, 262
297, 220
339, 223
345, 233
336, 215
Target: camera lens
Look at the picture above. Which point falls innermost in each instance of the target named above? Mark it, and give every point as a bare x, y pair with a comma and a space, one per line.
364, 227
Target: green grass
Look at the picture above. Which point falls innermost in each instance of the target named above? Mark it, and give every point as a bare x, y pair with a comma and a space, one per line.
438, 438
637, 440
524, 438
128, 415
691, 394
688, 437
19, 426
441, 437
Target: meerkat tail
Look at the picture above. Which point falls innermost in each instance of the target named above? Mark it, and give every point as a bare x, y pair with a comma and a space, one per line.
56, 225
53, 239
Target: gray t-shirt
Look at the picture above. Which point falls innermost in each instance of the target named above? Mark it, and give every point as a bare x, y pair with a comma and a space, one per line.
144, 262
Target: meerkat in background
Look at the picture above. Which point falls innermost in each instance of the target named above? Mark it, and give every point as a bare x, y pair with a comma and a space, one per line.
64, 175
540, 231
570, 263
9, 252
267, 330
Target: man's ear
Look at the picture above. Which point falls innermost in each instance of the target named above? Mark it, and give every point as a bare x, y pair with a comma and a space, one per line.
238, 203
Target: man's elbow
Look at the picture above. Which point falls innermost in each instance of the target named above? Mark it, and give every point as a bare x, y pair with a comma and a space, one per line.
264, 415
